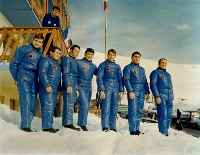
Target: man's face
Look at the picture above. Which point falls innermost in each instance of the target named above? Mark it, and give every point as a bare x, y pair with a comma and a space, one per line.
56, 54
111, 56
37, 43
163, 64
55, 12
89, 56
75, 52
135, 58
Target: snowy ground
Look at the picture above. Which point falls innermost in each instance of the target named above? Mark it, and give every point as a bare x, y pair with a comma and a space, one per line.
94, 142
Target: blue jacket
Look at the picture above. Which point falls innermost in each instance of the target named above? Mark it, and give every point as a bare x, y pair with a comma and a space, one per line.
49, 72
24, 63
69, 70
161, 83
134, 79
109, 75
86, 70
49, 21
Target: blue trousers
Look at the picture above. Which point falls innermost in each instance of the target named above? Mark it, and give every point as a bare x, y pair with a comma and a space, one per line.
68, 105
83, 105
48, 104
164, 112
135, 107
109, 108
27, 99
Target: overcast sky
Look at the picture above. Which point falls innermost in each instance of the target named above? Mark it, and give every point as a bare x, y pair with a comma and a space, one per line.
156, 28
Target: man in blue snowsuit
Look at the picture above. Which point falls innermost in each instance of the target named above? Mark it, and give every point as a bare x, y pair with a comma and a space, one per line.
135, 81
51, 20
162, 89
23, 68
109, 82
69, 86
49, 73
86, 70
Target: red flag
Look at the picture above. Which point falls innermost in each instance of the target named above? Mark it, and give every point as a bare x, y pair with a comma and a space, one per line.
105, 5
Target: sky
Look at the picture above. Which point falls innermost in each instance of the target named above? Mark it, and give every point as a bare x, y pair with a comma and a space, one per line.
156, 28
95, 142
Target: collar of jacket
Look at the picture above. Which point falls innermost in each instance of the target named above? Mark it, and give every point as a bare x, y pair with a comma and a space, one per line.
87, 60
135, 64
37, 49
110, 61
161, 69
72, 56
52, 58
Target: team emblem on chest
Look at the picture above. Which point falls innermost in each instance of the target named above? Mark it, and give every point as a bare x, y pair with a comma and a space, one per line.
108, 69
162, 76
55, 67
30, 55
83, 68
135, 71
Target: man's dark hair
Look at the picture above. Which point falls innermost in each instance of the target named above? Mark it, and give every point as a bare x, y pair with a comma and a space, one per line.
161, 59
112, 51
89, 50
74, 46
39, 36
56, 7
52, 49
136, 52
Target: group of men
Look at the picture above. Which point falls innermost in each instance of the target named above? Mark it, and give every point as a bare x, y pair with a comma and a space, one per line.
28, 65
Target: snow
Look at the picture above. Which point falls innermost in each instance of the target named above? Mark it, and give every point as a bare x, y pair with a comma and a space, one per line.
94, 142
186, 85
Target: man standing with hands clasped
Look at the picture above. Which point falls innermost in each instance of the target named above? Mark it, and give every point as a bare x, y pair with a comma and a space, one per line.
135, 81
161, 87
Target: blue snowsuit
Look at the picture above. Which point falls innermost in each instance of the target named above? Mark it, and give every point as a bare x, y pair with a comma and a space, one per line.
23, 68
161, 86
49, 72
49, 21
135, 81
69, 78
109, 80
86, 70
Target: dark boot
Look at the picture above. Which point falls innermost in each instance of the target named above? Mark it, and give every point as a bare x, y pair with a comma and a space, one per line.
138, 132
114, 130
51, 130
84, 128
133, 133
72, 127
105, 129
27, 129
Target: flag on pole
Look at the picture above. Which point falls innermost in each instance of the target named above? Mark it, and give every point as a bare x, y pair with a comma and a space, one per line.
105, 5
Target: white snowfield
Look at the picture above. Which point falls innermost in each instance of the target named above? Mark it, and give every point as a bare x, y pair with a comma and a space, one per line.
186, 81
94, 142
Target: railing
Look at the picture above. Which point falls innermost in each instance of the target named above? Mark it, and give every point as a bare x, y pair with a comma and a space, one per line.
42, 9
11, 38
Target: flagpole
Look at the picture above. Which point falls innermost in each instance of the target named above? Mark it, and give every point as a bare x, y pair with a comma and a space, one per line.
105, 32
105, 5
